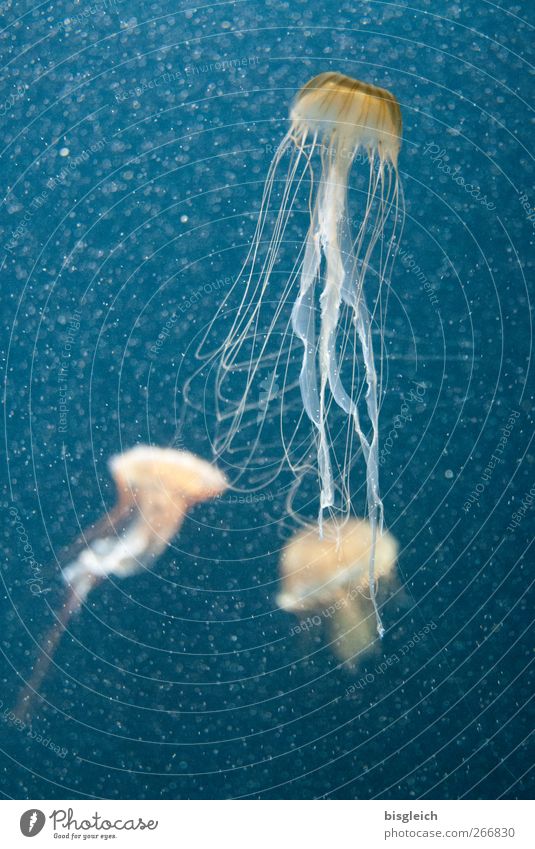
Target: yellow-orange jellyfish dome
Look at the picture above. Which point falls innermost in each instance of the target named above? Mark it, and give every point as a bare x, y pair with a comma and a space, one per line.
352, 112
155, 489
180, 473
330, 577
316, 570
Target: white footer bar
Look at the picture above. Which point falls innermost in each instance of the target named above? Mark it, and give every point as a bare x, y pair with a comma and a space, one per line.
269, 824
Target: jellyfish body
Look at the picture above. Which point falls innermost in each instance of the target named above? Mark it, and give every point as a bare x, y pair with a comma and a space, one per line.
155, 489
334, 121
329, 576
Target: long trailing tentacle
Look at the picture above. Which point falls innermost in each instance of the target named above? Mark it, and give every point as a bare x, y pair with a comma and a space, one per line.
75, 598
355, 297
245, 326
346, 270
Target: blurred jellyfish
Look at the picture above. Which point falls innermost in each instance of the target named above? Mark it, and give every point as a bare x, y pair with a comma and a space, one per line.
335, 122
329, 578
155, 489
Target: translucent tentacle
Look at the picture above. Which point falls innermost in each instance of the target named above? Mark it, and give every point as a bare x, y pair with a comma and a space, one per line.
375, 505
353, 294
322, 236
303, 324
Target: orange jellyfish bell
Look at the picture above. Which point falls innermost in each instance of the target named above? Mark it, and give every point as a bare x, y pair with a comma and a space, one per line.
147, 468
330, 576
163, 482
155, 489
351, 112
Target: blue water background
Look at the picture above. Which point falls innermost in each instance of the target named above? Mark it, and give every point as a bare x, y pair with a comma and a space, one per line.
187, 682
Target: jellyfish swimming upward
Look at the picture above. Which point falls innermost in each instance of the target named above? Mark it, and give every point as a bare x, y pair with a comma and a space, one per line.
336, 173
155, 489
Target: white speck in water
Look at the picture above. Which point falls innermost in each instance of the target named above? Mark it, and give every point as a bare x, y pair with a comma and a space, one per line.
448, 474
184, 218
64, 151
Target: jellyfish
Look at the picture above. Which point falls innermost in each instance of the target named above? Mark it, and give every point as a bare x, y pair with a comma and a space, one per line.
155, 489
336, 122
329, 578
